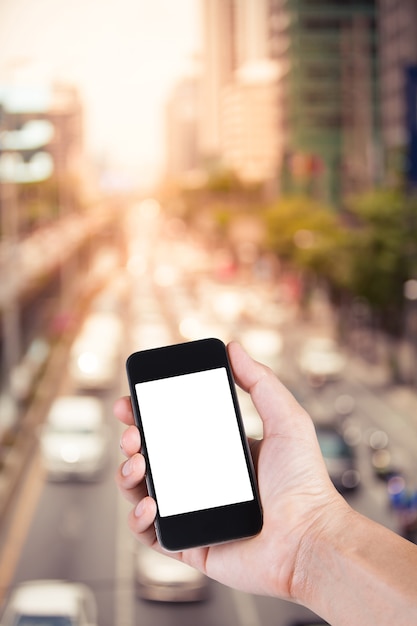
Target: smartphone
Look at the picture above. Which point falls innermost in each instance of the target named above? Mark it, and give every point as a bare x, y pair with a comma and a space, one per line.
199, 467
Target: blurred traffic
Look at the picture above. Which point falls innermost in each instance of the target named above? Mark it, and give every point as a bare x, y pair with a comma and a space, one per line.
282, 214
159, 577
75, 439
51, 602
94, 356
153, 296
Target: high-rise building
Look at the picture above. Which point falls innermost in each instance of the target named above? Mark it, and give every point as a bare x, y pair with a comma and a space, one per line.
250, 30
66, 113
181, 130
218, 64
238, 101
398, 55
250, 142
327, 51
61, 157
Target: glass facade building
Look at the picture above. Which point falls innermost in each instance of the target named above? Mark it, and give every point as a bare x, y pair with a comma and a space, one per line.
327, 52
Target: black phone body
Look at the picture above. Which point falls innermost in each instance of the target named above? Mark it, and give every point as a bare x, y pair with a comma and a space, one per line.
199, 467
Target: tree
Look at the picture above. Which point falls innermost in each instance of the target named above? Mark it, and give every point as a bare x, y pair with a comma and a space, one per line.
383, 250
308, 236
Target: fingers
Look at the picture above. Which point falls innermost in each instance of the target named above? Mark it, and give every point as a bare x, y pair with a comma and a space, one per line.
130, 477
130, 480
246, 371
141, 521
130, 441
277, 407
122, 409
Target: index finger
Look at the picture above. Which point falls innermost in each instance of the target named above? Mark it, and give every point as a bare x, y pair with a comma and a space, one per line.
122, 409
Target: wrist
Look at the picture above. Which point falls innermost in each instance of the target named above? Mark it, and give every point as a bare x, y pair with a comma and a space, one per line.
322, 539
351, 570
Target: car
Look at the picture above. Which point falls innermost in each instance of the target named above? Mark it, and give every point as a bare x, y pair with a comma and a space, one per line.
321, 360
383, 466
94, 359
339, 458
50, 603
74, 440
383, 461
263, 344
161, 578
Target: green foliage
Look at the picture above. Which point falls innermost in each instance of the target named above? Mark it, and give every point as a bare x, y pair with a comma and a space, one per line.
369, 251
223, 218
383, 250
223, 181
307, 235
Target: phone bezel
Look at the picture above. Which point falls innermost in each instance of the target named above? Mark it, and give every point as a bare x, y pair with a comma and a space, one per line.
208, 526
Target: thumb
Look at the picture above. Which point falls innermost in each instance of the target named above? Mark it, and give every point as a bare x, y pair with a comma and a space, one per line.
279, 410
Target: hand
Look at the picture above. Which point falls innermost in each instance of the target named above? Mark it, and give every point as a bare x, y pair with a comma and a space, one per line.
297, 496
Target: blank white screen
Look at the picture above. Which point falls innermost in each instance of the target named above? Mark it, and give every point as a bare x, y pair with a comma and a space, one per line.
193, 442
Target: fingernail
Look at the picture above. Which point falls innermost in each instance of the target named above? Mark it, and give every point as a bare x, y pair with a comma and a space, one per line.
126, 469
139, 509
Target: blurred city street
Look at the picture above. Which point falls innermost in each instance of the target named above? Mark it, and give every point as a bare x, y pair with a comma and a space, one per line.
205, 168
168, 293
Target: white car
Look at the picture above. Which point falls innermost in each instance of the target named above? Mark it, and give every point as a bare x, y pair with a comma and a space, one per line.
164, 579
263, 344
74, 440
49, 603
95, 355
321, 359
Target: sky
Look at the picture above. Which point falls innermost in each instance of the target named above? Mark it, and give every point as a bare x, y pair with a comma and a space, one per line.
125, 56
